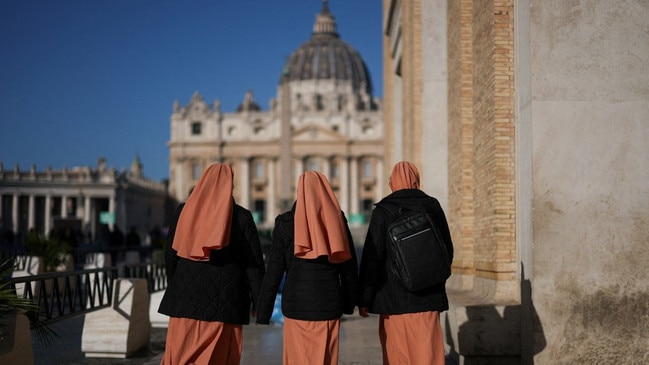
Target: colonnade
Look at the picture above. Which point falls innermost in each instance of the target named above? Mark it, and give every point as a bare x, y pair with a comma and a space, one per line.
73, 204
344, 174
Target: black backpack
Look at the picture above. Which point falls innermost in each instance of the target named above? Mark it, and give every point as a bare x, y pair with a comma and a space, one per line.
421, 259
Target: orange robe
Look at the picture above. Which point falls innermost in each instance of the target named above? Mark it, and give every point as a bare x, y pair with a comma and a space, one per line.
311, 342
412, 338
190, 341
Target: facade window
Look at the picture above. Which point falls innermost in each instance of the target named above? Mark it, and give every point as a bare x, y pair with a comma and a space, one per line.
196, 171
196, 128
313, 165
71, 207
259, 170
367, 169
335, 172
55, 206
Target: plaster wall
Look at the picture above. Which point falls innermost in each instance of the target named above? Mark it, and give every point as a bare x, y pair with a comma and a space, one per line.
590, 198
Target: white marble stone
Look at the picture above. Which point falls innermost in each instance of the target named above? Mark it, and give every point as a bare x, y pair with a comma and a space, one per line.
158, 320
34, 266
123, 329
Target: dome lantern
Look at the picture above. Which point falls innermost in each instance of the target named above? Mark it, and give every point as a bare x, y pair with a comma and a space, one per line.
325, 56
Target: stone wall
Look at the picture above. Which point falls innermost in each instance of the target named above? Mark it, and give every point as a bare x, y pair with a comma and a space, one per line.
589, 73
547, 195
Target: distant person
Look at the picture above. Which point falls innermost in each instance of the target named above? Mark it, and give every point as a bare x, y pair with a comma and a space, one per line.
313, 247
214, 269
69, 236
409, 322
10, 237
132, 238
116, 237
156, 238
116, 244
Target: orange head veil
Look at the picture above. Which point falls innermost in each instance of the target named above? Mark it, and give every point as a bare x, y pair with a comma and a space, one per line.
319, 228
404, 176
205, 220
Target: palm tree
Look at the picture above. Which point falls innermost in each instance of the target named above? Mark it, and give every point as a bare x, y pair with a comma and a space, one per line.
11, 305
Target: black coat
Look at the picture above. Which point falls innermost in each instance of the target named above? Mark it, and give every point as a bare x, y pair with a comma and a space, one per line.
223, 288
314, 290
382, 291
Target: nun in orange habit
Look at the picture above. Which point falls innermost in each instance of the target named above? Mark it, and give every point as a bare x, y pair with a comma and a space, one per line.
312, 246
214, 269
409, 322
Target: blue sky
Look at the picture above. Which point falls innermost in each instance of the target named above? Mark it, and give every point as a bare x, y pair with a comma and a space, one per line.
83, 79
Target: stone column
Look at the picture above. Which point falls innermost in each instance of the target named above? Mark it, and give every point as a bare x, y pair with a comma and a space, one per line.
111, 209
179, 177
344, 185
271, 200
244, 182
299, 169
64, 206
48, 213
14, 213
86, 210
30, 212
378, 187
353, 167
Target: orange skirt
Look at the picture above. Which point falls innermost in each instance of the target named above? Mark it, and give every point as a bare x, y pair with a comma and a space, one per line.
412, 338
311, 342
191, 341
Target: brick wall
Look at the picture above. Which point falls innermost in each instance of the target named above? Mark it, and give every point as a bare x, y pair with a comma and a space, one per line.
481, 206
460, 98
493, 146
481, 137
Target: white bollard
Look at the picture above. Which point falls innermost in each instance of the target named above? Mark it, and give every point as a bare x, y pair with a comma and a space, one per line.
33, 266
158, 320
123, 329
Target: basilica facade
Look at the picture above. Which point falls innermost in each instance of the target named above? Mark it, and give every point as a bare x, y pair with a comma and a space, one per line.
323, 118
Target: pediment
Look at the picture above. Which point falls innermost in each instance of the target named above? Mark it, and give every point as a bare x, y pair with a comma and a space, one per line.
315, 133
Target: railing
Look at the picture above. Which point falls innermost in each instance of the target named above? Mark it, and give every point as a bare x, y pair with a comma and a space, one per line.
66, 294
155, 275
63, 295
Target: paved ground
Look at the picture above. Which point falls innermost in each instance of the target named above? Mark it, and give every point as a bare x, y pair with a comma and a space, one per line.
262, 345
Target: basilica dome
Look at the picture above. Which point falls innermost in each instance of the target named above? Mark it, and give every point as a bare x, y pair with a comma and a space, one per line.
327, 57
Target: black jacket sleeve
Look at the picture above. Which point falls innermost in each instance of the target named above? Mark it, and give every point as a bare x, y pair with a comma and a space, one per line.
171, 255
372, 273
349, 277
255, 267
274, 273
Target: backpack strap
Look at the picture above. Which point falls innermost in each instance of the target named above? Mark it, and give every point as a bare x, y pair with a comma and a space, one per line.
397, 209
390, 213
